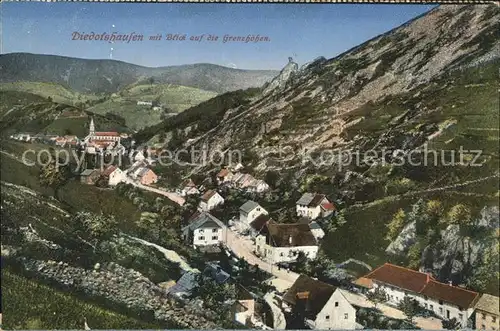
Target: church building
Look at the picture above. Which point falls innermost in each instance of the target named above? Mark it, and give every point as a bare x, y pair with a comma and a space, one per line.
102, 140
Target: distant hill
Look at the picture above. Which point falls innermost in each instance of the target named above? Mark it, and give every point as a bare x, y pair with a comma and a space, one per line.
25, 112
56, 92
107, 76
172, 98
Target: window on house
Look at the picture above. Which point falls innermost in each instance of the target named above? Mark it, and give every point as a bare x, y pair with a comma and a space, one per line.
336, 303
282, 254
201, 230
215, 237
215, 230
327, 317
440, 302
493, 319
201, 238
484, 316
425, 306
346, 316
483, 327
432, 307
461, 316
440, 310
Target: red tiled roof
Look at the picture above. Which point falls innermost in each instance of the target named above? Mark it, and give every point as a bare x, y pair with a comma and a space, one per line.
208, 194
453, 294
223, 173
114, 134
403, 278
318, 198
328, 206
100, 143
424, 284
109, 170
364, 282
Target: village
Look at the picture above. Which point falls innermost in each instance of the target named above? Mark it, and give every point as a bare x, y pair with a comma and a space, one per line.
398, 293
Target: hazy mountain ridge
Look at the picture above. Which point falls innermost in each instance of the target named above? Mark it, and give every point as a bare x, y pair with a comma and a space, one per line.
302, 111
106, 76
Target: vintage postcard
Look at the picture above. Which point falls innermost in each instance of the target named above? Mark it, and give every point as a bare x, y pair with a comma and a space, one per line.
258, 166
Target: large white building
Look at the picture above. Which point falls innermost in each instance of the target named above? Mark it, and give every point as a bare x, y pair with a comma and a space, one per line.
445, 300
321, 305
282, 242
204, 229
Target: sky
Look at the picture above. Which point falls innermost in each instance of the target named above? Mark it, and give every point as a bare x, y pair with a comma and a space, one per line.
303, 31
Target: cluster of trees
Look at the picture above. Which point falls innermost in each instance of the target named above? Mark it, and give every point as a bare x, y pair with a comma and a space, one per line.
216, 299
429, 217
54, 174
93, 229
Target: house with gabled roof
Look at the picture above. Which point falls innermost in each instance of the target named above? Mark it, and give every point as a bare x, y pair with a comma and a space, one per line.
313, 205
321, 305
209, 200
224, 176
113, 175
250, 210
188, 187
204, 229
90, 176
282, 242
445, 300
487, 312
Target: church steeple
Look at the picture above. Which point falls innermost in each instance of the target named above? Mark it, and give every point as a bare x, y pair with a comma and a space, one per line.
92, 127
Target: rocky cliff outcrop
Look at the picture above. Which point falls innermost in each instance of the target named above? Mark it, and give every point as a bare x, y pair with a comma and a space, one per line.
455, 255
404, 241
279, 82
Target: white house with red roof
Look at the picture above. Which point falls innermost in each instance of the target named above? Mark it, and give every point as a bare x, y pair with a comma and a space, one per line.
188, 187
313, 205
224, 176
209, 200
114, 175
445, 300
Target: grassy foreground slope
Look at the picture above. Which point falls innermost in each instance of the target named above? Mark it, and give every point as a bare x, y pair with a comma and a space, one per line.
33, 306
